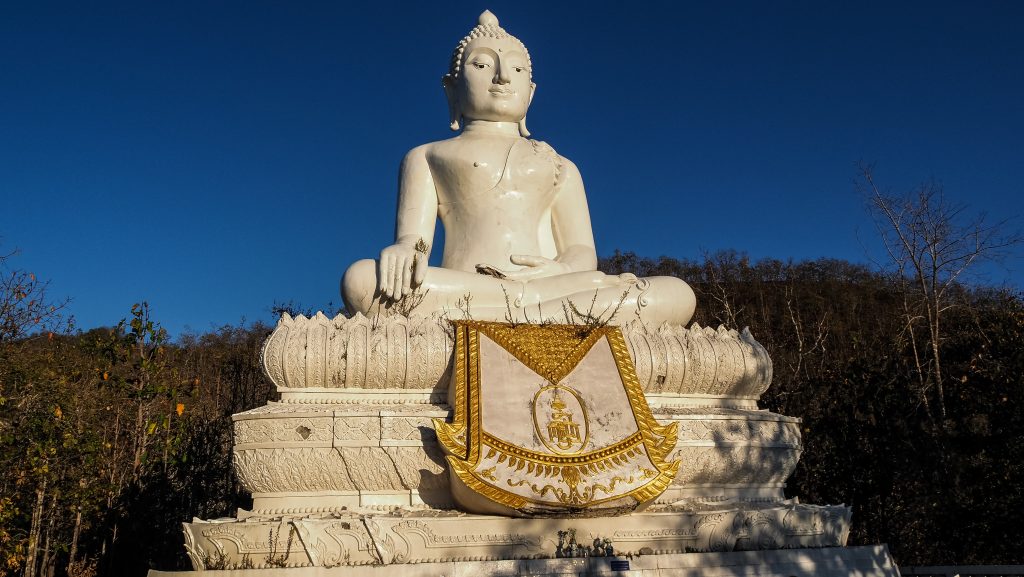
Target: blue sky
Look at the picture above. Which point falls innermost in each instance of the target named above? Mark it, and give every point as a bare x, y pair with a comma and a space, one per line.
215, 157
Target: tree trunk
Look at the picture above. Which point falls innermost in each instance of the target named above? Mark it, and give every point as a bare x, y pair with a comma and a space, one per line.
74, 540
48, 560
140, 441
937, 357
33, 534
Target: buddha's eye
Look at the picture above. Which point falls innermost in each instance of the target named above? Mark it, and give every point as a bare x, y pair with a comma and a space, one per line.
519, 69
480, 65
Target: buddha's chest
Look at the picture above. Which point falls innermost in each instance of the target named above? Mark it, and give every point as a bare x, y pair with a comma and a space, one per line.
515, 174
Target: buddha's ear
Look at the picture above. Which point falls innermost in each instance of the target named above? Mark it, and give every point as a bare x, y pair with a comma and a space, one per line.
454, 115
522, 123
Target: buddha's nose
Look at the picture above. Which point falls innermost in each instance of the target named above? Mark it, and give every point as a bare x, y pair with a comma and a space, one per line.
501, 75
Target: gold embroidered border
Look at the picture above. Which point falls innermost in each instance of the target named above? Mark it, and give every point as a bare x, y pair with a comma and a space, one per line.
473, 395
498, 333
659, 439
464, 471
616, 461
452, 435
521, 453
473, 479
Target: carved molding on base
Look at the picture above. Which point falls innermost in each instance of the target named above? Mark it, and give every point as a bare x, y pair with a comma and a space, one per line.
309, 458
676, 365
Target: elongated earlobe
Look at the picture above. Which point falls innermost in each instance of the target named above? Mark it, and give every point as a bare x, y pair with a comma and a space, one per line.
522, 123
453, 102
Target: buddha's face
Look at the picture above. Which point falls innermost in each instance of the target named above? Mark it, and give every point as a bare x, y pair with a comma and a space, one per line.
495, 81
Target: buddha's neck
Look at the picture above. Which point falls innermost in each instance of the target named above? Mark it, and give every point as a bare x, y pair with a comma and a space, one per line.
491, 127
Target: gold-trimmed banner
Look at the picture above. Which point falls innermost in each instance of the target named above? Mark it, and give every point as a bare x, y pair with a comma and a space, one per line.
549, 419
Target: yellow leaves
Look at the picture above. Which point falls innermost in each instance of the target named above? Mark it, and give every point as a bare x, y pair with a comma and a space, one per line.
106, 375
14, 559
151, 428
57, 412
179, 408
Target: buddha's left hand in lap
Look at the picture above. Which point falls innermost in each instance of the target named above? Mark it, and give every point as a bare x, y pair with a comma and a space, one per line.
536, 267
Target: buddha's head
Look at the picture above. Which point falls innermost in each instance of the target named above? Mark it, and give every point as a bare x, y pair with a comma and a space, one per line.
489, 77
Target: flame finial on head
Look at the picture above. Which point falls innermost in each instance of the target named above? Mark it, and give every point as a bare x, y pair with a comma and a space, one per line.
487, 18
487, 27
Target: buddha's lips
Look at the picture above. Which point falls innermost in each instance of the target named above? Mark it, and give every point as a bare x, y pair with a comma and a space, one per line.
502, 91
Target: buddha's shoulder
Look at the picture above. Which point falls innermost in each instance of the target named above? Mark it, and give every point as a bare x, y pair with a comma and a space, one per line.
432, 150
438, 146
541, 147
420, 151
544, 149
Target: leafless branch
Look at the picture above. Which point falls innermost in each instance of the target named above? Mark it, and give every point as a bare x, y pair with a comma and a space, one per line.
932, 244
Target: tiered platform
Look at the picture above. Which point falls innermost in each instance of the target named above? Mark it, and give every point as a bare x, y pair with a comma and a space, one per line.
346, 471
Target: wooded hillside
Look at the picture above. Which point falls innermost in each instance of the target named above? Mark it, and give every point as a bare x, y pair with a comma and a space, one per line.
111, 437
936, 470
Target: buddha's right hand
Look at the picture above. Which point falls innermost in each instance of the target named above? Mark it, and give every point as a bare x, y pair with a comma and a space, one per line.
401, 268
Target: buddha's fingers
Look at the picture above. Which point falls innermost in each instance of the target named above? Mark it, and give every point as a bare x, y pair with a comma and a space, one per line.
397, 274
536, 267
407, 277
383, 274
420, 273
530, 260
522, 275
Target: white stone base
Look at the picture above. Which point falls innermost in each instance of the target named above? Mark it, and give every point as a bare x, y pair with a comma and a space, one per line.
871, 561
404, 537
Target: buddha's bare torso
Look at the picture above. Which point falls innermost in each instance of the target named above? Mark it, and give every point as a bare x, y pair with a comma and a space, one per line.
495, 196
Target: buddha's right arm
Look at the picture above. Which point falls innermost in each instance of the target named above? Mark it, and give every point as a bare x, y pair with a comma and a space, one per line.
570, 222
403, 265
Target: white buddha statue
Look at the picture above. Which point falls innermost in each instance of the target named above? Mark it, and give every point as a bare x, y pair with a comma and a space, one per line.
518, 238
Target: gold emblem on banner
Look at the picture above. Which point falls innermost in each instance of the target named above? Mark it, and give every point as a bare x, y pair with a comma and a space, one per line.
565, 467
566, 430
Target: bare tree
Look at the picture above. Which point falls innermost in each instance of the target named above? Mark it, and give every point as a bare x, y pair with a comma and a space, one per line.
716, 269
932, 244
25, 307
806, 343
